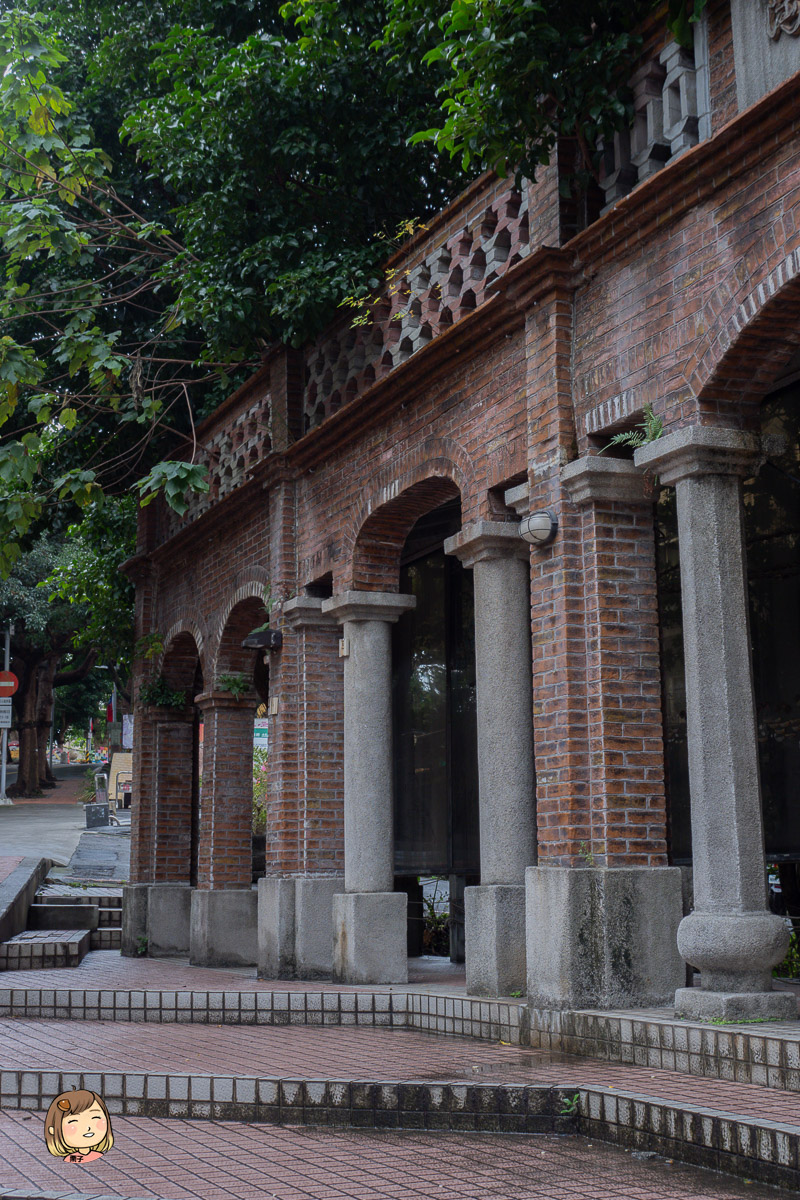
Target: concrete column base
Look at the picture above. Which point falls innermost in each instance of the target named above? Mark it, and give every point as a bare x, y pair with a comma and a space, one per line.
223, 928
295, 938
494, 931
697, 1004
276, 957
168, 915
313, 924
369, 937
603, 937
134, 919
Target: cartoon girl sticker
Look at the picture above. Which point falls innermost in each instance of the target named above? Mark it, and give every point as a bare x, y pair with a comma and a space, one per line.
77, 1127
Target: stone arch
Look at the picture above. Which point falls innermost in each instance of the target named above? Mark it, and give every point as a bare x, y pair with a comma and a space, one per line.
754, 333
394, 499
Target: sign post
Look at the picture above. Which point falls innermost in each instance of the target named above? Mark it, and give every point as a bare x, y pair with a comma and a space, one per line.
8, 685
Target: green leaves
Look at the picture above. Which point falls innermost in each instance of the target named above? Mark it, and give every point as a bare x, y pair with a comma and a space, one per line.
175, 479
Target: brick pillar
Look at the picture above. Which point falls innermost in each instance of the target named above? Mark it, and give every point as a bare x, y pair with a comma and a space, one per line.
495, 911
370, 919
731, 936
224, 907
225, 851
602, 930
295, 913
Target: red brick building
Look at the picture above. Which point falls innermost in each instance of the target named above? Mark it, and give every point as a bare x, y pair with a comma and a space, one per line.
552, 724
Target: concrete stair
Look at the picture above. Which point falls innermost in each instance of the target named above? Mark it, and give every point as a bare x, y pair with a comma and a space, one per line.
63, 924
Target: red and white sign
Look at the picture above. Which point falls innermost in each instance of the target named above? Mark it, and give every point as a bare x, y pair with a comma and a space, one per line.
8, 683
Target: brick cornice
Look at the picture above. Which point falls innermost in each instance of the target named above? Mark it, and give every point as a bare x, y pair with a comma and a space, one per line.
547, 273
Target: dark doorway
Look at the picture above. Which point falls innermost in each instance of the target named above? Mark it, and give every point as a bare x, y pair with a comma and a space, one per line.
772, 532
435, 741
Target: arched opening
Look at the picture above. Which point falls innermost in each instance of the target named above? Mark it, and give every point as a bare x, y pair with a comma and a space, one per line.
772, 532
182, 670
434, 734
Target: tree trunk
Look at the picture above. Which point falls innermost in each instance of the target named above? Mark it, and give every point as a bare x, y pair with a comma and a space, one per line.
27, 783
44, 714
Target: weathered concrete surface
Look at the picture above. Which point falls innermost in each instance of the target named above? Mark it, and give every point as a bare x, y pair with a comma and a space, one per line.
369, 937
602, 937
494, 927
730, 937
17, 891
134, 918
276, 924
168, 919
313, 912
762, 62
224, 928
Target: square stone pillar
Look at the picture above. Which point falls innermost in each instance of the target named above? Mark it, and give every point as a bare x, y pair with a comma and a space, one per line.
494, 912
731, 936
369, 922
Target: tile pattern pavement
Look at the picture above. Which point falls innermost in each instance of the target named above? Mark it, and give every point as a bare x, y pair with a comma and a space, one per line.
200, 1160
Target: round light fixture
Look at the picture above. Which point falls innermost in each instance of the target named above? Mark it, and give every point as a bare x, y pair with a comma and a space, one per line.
539, 528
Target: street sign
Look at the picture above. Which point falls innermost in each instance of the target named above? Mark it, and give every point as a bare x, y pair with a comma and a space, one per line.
5, 713
8, 683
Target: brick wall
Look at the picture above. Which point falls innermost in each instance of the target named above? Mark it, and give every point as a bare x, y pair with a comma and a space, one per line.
685, 295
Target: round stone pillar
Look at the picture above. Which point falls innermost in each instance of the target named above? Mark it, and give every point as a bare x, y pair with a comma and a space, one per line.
731, 936
495, 911
369, 918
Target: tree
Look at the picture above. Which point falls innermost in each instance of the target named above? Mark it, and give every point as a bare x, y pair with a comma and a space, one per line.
184, 184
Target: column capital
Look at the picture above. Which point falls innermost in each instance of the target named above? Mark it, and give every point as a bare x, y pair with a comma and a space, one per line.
368, 606
482, 540
700, 450
593, 478
305, 612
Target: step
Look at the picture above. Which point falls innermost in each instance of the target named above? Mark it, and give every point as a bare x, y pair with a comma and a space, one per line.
104, 896
106, 939
62, 916
752, 1147
34, 950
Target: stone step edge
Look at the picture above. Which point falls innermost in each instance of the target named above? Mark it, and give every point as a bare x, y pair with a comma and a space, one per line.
450, 1015
755, 1148
766, 1055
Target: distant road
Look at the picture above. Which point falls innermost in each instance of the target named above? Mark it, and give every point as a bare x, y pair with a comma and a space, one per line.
61, 772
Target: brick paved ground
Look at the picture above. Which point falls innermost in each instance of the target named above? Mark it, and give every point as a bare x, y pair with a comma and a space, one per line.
108, 969
309, 1052
200, 1160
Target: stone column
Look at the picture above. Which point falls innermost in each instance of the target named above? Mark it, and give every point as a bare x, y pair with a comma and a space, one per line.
731, 936
224, 930
369, 919
295, 908
494, 913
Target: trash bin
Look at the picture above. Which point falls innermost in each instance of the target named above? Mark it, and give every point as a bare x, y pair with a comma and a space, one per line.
96, 815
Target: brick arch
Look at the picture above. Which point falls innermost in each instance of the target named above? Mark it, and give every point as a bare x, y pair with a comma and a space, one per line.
184, 651
393, 499
243, 611
754, 336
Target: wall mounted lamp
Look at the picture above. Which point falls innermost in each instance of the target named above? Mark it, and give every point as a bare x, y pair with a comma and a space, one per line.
540, 528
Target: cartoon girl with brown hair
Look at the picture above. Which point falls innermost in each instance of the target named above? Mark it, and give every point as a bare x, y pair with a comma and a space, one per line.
77, 1127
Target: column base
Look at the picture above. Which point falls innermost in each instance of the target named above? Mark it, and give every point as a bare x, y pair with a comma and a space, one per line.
697, 1004
603, 937
313, 924
276, 959
168, 917
369, 937
494, 931
224, 928
134, 920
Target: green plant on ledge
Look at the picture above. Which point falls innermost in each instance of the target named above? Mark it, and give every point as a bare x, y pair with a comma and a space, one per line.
237, 685
159, 694
649, 429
